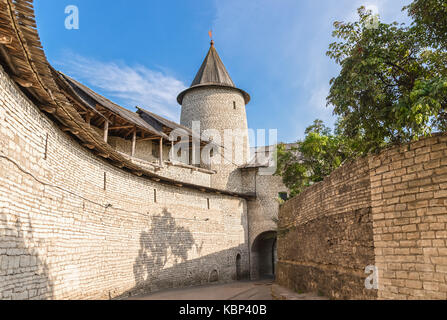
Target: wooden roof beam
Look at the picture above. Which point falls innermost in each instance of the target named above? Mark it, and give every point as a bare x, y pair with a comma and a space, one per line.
5, 40
121, 127
8, 60
89, 146
48, 109
149, 139
134, 142
22, 82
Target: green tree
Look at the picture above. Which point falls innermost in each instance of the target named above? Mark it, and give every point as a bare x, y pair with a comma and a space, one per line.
431, 17
392, 86
312, 159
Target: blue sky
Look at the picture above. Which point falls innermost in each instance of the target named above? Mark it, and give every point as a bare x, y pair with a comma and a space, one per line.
145, 52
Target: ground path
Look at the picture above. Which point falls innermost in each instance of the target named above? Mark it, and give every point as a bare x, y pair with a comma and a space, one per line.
244, 290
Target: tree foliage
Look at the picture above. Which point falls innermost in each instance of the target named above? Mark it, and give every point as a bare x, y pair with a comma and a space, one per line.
431, 17
392, 88
312, 159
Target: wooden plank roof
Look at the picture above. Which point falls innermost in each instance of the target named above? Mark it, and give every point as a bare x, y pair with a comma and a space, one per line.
94, 98
152, 117
213, 73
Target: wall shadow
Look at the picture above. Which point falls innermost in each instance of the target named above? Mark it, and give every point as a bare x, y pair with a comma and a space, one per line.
23, 275
162, 262
164, 242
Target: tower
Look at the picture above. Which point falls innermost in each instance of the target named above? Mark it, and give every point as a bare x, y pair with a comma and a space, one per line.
215, 102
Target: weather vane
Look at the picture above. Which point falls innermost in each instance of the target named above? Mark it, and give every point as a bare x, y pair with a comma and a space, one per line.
210, 33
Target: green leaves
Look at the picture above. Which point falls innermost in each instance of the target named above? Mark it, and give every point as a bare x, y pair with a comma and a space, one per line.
430, 16
390, 88
314, 158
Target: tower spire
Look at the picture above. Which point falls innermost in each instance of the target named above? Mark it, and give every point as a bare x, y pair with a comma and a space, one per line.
212, 73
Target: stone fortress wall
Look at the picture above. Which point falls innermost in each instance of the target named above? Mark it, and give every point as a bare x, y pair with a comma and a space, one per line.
73, 226
144, 157
262, 214
223, 108
387, 210
220, 109
147, 156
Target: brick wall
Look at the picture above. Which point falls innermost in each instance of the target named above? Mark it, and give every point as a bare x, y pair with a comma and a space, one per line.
388, 210
73, 226
325, 238
409, 200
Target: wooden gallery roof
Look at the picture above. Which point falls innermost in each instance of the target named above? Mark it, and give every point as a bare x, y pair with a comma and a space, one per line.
71, 105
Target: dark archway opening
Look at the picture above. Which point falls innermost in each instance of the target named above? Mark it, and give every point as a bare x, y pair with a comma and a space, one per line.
264, 255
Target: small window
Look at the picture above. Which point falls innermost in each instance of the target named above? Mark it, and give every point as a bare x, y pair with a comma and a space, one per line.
155, 195
208, 203
234, 105
105, 181
283, 196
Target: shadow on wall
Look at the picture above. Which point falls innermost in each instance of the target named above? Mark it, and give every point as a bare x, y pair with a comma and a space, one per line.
165, 242
20, 263
162, 261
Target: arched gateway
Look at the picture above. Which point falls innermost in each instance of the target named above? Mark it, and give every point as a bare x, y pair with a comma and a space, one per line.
263, 253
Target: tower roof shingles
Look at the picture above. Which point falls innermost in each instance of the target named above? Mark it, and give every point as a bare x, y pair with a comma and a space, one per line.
213, 73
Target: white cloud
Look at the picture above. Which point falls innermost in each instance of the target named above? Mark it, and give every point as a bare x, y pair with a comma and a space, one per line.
388, 10
129, 85
373, 8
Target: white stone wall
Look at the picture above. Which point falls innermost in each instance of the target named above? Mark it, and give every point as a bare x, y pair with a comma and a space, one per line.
73, 226
262, 212
215, 109
144, 158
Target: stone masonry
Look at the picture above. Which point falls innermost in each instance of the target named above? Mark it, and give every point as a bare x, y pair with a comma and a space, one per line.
75, 226
220, 109
409, 200
325, 236
387, 210
72, 226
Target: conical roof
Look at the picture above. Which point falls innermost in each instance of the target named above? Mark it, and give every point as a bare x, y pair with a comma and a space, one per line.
213, 73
